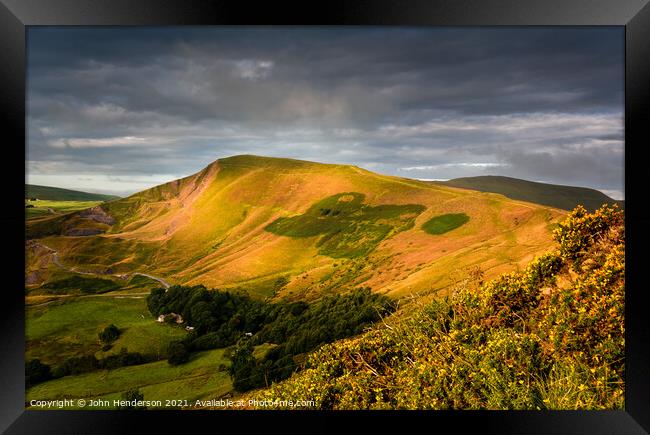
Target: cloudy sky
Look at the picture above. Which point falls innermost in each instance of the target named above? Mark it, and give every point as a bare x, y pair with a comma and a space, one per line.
117, 110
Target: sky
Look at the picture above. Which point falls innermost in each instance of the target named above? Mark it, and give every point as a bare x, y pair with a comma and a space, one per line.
121, 109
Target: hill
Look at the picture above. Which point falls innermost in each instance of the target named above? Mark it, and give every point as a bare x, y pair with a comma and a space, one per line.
296, 230
549, 337
58, 194
552, 195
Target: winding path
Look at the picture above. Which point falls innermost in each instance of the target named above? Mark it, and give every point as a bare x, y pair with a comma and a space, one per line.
160, 280
57, 262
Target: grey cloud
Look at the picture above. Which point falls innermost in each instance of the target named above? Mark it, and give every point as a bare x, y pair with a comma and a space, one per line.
170, 100
597, 168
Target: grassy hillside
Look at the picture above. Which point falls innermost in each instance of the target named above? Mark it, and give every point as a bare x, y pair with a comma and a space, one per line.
562, 197
282, 228
57, 194
549, 337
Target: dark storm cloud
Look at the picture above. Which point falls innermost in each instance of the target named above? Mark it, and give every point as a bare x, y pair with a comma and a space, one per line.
421, 102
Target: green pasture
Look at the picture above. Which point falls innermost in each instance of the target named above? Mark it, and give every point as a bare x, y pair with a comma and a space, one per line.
47, 207
63, 329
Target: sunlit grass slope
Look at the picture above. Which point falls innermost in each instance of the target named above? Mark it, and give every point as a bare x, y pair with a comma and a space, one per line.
261, 224
551, 336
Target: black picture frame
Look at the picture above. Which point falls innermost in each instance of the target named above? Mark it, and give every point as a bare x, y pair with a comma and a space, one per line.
15, 15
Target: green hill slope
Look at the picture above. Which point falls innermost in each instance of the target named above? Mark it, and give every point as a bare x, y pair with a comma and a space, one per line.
549, 337
294, 229
58, 194
553, 195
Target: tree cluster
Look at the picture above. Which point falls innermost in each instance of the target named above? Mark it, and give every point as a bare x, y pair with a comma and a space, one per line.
222, 319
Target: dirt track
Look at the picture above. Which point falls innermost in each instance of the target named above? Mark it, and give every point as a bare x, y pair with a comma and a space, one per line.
57, 262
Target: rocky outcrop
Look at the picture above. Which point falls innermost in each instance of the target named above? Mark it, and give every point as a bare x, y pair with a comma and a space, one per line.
82, 232
98, 215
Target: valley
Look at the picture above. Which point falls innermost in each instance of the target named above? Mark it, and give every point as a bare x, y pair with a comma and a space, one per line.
277, 233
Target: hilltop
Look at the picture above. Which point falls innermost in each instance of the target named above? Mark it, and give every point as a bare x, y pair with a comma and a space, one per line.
297, 230
552, 195
59, 194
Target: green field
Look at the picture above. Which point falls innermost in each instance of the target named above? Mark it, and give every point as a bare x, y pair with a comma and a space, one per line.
69, 328
204, 377
48, 207
58, 194
445, 223
64, 329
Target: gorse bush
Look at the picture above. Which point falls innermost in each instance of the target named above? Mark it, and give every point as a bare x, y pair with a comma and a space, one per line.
548, 337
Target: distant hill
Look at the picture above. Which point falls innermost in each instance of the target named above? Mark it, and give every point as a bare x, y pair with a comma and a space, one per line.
58, 194
553, 195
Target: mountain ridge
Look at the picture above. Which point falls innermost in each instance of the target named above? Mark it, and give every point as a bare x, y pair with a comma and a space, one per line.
553, 195
213, 228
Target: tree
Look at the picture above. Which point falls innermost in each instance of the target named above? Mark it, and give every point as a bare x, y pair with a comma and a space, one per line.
109, 334
177, 353
36, 372
133, 395
76, 365
243, 367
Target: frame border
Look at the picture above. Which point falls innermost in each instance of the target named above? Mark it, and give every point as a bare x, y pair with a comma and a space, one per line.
16, 15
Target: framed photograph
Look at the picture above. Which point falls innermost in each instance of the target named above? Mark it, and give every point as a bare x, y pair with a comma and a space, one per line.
369, 211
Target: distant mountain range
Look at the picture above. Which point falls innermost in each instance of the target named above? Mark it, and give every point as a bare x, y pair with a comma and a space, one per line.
58, 194
552, 195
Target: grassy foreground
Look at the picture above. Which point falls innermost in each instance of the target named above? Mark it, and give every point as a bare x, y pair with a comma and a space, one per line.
548, 337
204, 377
